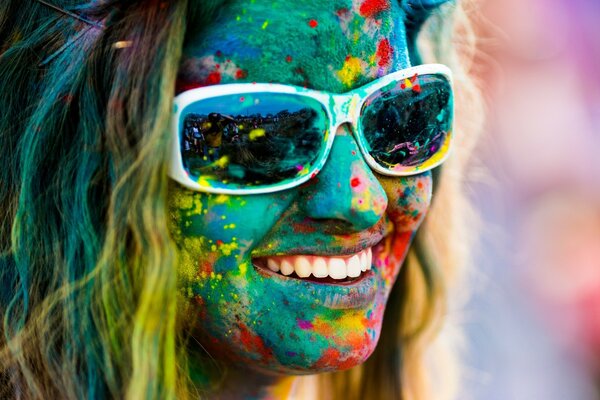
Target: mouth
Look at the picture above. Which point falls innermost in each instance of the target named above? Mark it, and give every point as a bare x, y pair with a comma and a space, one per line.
340, 270
335, 281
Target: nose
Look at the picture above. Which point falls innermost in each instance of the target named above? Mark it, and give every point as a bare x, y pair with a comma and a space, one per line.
345, 193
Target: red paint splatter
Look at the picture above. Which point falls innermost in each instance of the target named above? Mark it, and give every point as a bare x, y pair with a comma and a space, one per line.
67, 98
288, 59
353, 152
254, 343
401, 242
303, 228
370, 8
331, 359
328, 358
182, 86
218, 66
384, 53
240, 74
219, 242
416, 88
313, 23
354, 182
304, 325
342, 12
420, 185
205, 267
213, 78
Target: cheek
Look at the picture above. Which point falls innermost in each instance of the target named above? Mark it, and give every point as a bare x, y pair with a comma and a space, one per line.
214, 232
408, 200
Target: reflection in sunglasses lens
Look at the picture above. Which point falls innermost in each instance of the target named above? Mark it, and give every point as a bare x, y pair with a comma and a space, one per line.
252, 140
406, 125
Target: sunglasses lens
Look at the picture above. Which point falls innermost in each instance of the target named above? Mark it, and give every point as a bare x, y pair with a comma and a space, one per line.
252, 140
407, 126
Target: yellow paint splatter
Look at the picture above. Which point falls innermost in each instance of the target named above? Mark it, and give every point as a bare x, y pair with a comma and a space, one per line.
202, 181
265, 24
221, 199
350, 71
227, 248
243, 268
222, 162
256, 133
304, 171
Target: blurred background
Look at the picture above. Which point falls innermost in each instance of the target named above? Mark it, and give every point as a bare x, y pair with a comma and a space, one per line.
533, 322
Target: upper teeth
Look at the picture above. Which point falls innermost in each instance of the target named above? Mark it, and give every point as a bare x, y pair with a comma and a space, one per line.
321, 267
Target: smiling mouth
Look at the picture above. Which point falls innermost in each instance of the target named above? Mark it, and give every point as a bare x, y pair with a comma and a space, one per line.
321, 269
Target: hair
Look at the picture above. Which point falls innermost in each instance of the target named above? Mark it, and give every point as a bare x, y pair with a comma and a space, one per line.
88, 298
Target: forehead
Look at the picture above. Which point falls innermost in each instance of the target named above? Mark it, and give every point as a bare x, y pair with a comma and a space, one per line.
326, 45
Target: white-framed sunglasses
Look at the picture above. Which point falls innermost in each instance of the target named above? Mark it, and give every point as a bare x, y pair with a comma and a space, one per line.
252, 138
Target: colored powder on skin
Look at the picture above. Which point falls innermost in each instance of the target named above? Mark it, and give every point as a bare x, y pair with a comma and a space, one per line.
254, 343
372, 7
213, 78
304, 325
384, 53
240, 74
350, 72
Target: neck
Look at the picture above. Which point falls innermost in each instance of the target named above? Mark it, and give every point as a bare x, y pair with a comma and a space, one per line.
237, 383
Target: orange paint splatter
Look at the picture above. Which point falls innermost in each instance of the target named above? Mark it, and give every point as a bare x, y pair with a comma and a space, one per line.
323, 328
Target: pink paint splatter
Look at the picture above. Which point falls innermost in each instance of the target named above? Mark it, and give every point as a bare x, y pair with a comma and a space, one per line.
305, 325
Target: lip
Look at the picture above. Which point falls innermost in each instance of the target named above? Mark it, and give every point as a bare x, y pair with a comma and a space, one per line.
357, 293
318, 250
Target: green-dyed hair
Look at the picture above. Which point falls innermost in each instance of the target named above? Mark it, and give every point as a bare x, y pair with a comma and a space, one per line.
88, 294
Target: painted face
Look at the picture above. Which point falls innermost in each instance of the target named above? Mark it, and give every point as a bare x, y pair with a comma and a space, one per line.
346, 220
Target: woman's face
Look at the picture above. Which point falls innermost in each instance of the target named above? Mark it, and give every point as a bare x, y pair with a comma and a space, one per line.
240, 310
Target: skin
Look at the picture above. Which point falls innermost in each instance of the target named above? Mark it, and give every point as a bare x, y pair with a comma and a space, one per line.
260, 328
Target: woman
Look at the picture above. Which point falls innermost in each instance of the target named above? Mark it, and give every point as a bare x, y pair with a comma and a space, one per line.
132, 269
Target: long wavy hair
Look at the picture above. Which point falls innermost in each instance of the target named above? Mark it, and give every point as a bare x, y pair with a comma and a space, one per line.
88, 297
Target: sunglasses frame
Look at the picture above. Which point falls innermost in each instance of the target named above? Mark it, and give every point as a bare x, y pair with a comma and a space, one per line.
341, 109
